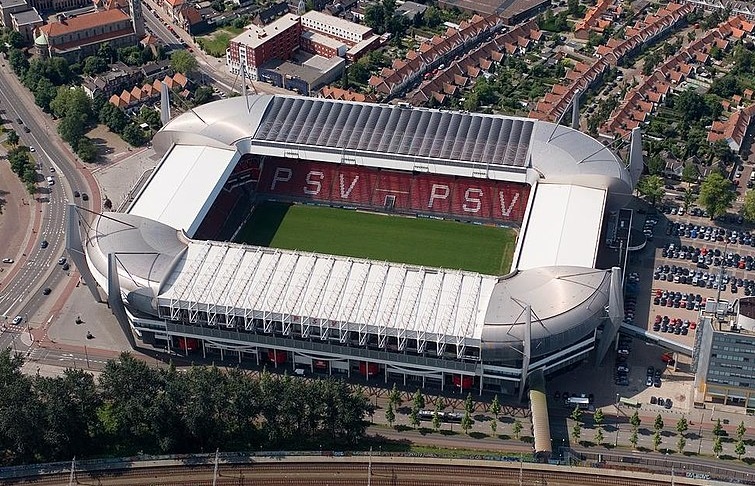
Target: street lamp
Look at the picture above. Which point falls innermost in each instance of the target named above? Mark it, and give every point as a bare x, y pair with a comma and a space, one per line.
616, 440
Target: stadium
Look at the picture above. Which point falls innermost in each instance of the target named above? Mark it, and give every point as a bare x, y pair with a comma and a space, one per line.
446, 249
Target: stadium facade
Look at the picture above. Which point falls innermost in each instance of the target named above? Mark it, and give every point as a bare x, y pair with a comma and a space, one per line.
171, 276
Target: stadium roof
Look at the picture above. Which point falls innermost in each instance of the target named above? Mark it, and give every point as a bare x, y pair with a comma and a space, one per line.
380, 128
401, 138
330, 292
563, 228
184, 185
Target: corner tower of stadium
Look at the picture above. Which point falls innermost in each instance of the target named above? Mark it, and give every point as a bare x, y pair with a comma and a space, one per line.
172, 275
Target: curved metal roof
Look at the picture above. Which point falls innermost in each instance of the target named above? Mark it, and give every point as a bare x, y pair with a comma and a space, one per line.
558, 296
145, 249
550, 152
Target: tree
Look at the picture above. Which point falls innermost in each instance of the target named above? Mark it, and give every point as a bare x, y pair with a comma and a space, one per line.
106, 52
44, 92
741, 430
598, 417
12, 138
656, 164
72, 102
633, 439
495, 406
516, 429
15, 39
183, 62
651, 188
390, 415
716, 195
688, 198
466, 422
635, 420
599, 435
748, 207
469, 404
358, 73
494, 426
739, 448
202, 95
151, 116
681, 442
114, 118
690, 172
94, 65
436, 418
129, 388
658, 424
576, 431
717, 447
576, 414
18, 62
418, 400
682, 426
433, 17
374, 17
133, 135
86, 149
718, 429
71, 128
414, 417
394, 397
656, 440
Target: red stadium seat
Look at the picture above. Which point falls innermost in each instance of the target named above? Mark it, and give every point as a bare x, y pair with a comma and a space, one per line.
392, 191
466, 198
431, 193
355, 185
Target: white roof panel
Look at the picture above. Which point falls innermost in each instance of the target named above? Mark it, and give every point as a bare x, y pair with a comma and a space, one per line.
184, 186
407, 302
564, 227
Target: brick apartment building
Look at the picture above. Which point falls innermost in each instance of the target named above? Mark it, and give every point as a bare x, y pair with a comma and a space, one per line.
313, 32
258, 45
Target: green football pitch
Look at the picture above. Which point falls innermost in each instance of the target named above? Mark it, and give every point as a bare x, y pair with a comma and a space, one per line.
416, 241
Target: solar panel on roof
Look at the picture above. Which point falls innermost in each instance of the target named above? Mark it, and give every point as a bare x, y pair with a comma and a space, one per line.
383, 129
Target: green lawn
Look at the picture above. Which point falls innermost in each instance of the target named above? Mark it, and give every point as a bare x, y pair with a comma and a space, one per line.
216, 43
428, 242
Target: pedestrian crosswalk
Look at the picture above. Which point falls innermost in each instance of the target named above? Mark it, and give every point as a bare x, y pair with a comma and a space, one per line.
12, 328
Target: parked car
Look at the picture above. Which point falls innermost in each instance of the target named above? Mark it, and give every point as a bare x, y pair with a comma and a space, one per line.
7, 260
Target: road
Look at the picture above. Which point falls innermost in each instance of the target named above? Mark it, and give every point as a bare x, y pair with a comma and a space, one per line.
22, 294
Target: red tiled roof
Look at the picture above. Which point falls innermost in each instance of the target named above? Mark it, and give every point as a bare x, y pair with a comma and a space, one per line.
94, 39
84, 22
191, 15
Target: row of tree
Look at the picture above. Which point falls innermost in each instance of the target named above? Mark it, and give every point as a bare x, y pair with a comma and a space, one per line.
49, 81
682, 427
21, 163
716, 195
134, 408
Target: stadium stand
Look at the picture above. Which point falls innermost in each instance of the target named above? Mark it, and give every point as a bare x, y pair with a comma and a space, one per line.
403, 192
335, 314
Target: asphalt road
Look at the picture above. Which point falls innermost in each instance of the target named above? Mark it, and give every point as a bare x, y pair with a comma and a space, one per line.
22, 295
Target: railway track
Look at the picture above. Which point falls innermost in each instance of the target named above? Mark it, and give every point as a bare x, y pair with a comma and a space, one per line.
335, 472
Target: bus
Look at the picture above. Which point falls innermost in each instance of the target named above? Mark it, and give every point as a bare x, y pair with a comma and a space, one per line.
629, 402
583, 403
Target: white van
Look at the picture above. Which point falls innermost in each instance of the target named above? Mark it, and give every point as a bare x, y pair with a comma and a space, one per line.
50, 181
